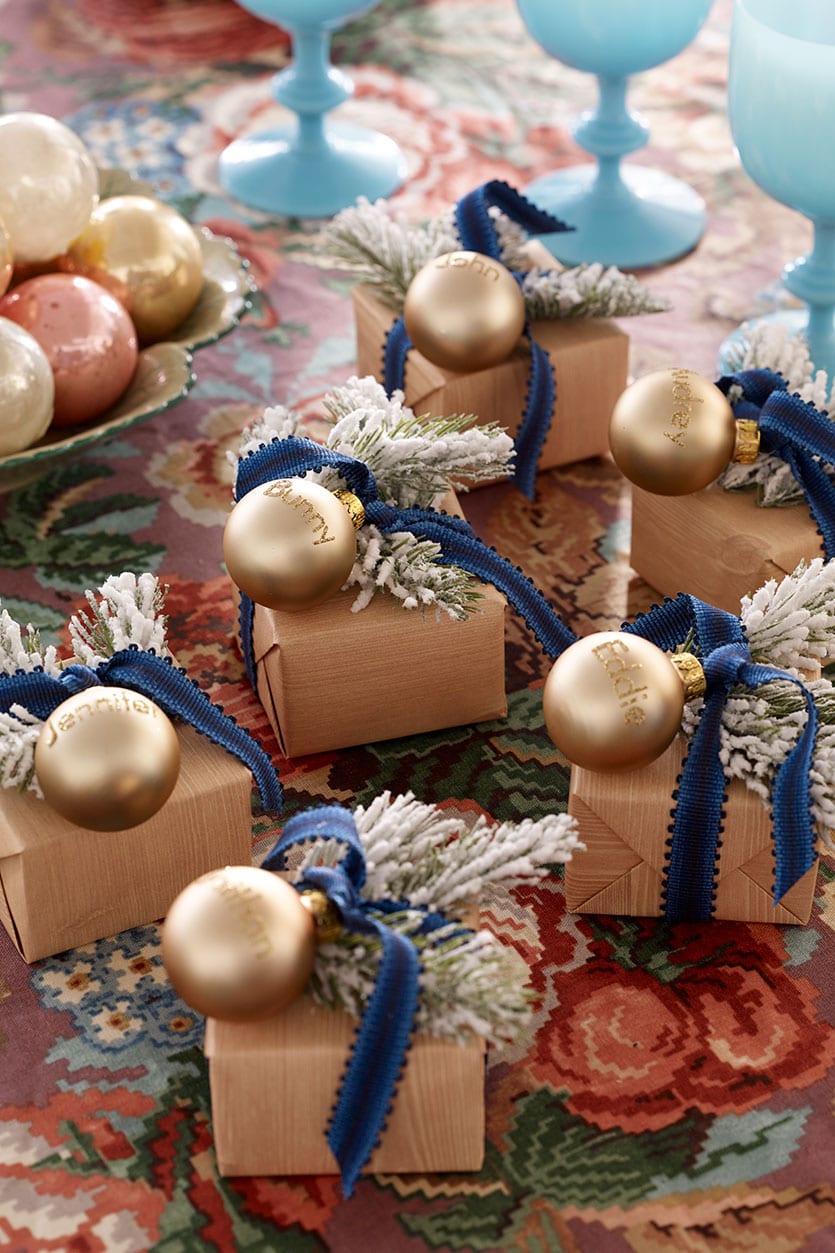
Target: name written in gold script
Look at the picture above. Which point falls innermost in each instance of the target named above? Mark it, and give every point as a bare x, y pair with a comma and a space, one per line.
614, 658
110, 702
684, 398
469, 260
243, 902
282, 489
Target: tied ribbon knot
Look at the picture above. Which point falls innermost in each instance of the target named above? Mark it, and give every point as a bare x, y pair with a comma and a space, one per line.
161, 681
796, 432
460, 546
383, 1038
477, 232
690, 872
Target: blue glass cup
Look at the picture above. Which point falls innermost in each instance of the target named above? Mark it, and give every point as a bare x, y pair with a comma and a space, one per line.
633, 216
314, 165
781, 107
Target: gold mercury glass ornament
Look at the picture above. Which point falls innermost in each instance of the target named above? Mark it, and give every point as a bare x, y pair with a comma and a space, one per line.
290, 544
107, 758
464, 311
613, 701
673, 432
239, 943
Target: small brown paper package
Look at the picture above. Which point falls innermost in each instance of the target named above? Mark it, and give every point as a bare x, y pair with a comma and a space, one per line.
329, 678
717, 545
623, 820
590, 360
274, 1084
62, 885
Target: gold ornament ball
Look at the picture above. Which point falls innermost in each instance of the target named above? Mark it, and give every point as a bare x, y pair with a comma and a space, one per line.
238, 944
147, 255
613, 701
464, 311
107, 759
672, 432
289, 544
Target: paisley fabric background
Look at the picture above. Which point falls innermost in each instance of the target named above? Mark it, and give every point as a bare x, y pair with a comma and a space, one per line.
677, 1091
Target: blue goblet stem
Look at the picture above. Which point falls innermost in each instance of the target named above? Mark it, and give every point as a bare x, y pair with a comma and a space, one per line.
611, 131
812, 279
311, 86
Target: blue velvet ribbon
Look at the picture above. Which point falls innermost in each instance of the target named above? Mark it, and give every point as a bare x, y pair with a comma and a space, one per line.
798, 433
477, 232
161, 681
690, 873
460, 546
374, 1068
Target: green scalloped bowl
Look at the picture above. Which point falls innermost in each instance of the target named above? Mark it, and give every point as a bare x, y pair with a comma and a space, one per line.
164, 373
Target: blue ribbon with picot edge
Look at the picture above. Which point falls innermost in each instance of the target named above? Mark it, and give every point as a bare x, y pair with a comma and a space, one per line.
477, 232
161, 681
690, 872
374, 1068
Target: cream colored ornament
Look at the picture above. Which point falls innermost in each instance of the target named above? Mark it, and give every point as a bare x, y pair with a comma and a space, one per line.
613, 701
6, 259
147, 255
27, 389
107, 758
290, 544
673, 432
464, 311
238, 944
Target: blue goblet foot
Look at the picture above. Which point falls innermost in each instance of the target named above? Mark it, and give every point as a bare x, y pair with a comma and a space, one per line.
796, 321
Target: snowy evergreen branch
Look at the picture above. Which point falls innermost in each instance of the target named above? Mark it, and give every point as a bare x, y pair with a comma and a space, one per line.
417, 854
386, 254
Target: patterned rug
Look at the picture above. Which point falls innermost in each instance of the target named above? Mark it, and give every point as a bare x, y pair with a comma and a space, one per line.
677, 1091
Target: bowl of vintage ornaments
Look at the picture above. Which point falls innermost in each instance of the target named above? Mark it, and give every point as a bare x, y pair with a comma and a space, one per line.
105, 294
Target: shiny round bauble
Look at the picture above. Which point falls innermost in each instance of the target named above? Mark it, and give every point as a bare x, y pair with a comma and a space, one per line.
6, 259
49, 185
88, 338
464, 311
613, 701
27, 389
238, 944
672, 432
107, 758
147, 255
289, 544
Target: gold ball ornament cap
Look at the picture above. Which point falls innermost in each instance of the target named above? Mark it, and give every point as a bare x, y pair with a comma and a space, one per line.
238, 944
672, 432
464, 311
107, 759
289, 544
613, 702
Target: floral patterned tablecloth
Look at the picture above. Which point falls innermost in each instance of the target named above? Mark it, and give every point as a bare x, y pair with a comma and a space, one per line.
677, 1090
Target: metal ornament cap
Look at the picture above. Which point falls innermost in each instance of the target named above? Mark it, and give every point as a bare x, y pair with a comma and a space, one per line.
107, 759
238, 944
289, 544
613, 702
672, 432
464, 311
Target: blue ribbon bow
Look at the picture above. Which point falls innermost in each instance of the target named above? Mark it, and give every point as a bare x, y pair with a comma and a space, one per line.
798, 433
460, 546
477, 232
370, 1079
162, 682
691, 868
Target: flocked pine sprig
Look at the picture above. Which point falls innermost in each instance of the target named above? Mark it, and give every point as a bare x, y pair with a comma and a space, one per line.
386, 253
771, 346
418, 853
414, 462
129, 611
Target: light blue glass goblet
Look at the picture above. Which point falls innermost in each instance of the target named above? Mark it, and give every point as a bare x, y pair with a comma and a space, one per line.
781, 107
633, 216
313, 166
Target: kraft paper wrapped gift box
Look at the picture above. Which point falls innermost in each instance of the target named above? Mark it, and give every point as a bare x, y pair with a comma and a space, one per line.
274, 1083
623, 821
717, 545
63, 885
590, 360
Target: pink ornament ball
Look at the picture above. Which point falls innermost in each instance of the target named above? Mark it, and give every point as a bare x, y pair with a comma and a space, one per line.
88, 338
